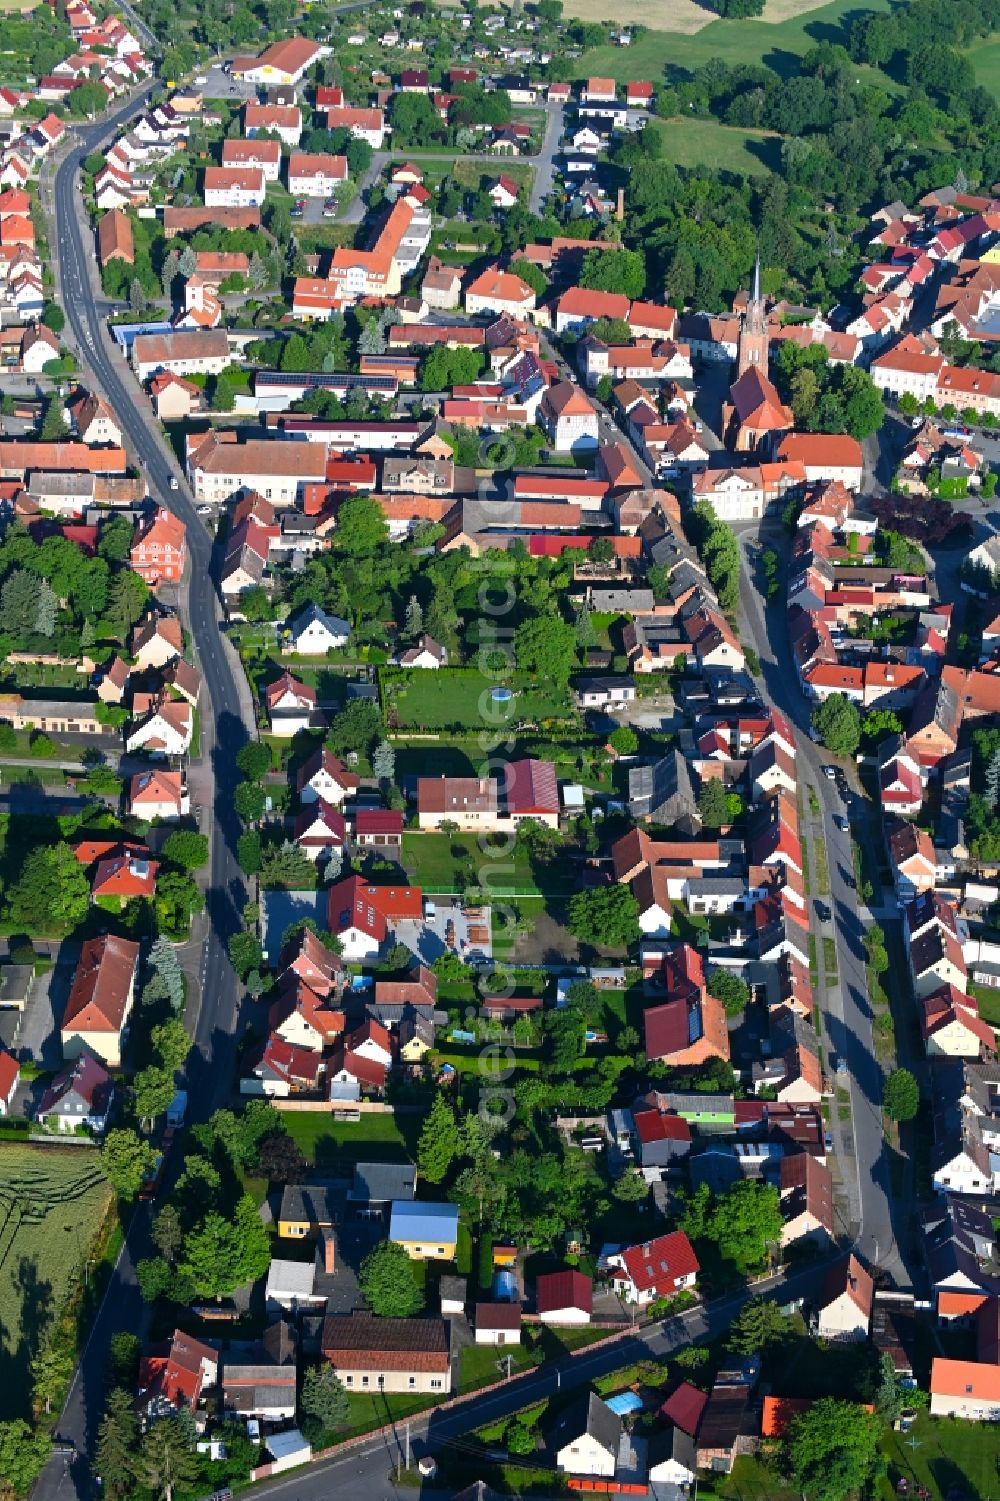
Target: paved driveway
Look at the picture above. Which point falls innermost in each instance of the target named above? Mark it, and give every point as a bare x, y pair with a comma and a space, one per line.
38, 1034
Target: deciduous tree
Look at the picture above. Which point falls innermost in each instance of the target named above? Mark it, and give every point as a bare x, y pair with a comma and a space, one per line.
901, 1095
605, 916
387, 1281
833, 1448
837, 722
126, 1161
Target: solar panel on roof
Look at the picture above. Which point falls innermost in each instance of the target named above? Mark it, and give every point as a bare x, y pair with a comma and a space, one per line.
319, 381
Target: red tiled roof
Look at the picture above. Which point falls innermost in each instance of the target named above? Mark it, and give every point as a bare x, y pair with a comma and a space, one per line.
684, 1408
566, 1289
658, 1263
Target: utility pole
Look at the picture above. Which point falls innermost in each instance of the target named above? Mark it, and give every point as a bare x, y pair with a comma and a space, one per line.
407, 1446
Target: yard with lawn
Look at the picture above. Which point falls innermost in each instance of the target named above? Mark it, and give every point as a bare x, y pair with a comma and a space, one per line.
478, 176
461, 699
949, 1458
450, 863
53, 1203
988, 1001
335, 1144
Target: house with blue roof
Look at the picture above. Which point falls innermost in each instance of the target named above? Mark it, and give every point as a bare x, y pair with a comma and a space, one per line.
427, 1232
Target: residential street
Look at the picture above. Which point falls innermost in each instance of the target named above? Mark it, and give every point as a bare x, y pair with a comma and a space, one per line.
847, 1019
543, 163
226, 721
366, 1469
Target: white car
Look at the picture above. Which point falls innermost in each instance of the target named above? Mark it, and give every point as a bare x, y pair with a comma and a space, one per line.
829, 773
204, 510
173, 482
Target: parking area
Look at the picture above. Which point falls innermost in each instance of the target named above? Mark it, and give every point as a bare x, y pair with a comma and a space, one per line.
279, 909
312, 211
465, 931
38, 1033
218, 84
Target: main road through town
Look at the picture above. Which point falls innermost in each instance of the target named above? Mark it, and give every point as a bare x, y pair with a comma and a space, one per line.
881, 1217
213, 1002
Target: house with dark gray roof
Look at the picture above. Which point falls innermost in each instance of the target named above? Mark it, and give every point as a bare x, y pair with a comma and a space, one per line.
664, 794
585, 1439
378, 1183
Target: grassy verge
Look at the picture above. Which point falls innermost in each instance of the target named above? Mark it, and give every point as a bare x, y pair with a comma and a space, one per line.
830, 960
822, 867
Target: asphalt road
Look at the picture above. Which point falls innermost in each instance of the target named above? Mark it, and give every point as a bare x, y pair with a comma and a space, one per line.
366, 1470
544, 162
213, 1010
848, 1019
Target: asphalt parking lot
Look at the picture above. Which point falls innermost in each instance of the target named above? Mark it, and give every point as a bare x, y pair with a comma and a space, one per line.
219, 85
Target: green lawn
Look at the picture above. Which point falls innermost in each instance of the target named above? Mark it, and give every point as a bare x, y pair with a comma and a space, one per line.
460, 698
949, 1453
727, 148
52, 1204
478, 175
478, 1365
779, 46
751, 1480
328, 1144
989, 1003
368, 1413
985, 58
448, 863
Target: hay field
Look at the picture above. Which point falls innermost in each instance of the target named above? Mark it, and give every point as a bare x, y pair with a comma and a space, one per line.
52, 1202
682, 17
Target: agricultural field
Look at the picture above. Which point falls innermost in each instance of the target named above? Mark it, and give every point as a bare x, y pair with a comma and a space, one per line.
459, 698
52, 1203
787, 29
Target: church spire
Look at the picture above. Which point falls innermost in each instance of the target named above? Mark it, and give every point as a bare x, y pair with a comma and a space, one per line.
753, 341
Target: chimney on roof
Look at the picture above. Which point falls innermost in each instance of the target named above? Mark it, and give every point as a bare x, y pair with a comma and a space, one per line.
328, 1248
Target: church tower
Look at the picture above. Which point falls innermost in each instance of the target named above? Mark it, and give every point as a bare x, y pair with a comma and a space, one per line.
752, 351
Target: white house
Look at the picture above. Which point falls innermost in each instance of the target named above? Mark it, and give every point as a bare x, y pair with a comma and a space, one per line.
162, 726
234, 187
569, 417
585, 1440
316, 174
314, 633
325, 778
845, 1307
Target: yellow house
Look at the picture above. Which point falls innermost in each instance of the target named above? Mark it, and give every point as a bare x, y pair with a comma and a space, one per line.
427, 1232
416, 1037
100, 999
305, 1211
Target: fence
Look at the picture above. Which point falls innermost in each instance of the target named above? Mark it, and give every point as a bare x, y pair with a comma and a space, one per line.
332, 1108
